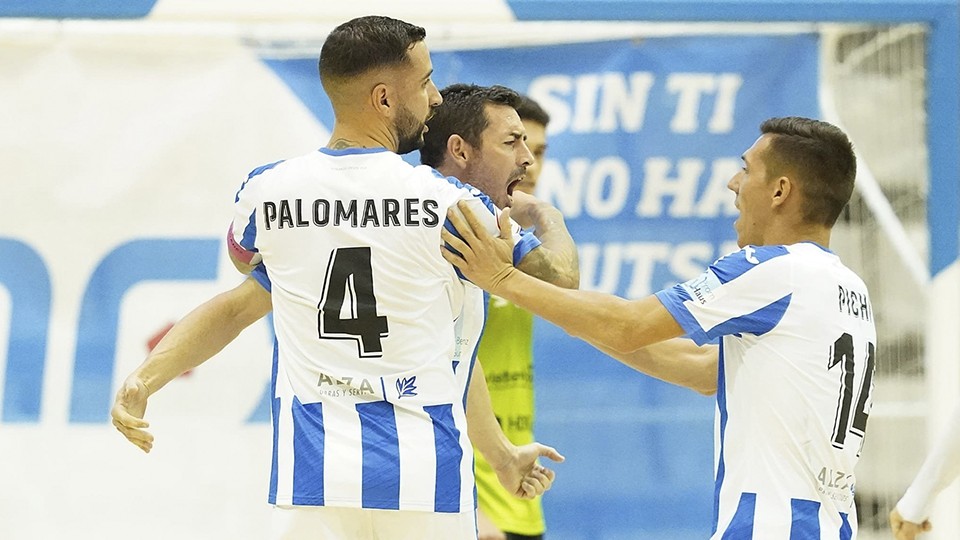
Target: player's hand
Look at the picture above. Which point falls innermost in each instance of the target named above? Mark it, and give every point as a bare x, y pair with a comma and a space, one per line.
906, 530
127, 413
524, 208
484, 259
523, 476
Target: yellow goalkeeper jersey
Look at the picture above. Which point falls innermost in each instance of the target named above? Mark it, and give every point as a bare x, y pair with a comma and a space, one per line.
506, 354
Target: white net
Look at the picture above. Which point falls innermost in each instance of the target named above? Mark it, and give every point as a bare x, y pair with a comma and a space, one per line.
874, 83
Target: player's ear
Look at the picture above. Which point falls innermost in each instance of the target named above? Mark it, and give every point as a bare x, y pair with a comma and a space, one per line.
458, 151
782, 188
381, 98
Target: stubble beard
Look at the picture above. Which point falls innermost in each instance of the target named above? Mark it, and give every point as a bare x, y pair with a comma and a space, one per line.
409, 132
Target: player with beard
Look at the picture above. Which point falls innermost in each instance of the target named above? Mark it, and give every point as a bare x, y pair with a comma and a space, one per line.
373, 355
480, 135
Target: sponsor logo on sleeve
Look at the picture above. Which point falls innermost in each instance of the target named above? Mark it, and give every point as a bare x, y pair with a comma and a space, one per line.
702, 289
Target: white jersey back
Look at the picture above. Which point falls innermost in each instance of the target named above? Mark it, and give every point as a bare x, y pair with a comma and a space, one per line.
793, 395
368, 406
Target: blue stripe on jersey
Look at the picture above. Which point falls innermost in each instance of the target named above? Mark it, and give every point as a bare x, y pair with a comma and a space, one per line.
741, 526
381, 455
733, 265
446, 436
308, 442
846, 532
274, 415
249, 238
758, 323
256, 172
805, 520
673, 299
528, 242
260, 274
476, 348
722, 407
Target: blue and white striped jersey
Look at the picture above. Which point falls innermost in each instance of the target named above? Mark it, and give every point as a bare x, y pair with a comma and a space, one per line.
371, 325
797, 356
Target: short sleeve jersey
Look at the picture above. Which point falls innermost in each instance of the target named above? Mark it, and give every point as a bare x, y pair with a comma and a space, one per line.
797, 356
371, 321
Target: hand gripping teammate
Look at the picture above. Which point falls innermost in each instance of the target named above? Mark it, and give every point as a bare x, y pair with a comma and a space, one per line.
793, 372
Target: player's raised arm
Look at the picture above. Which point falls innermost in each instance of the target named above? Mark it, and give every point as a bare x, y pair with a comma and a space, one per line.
615, 323
556, 260
192, 341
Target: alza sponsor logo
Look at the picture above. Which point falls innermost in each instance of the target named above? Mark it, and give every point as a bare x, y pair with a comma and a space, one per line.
344, 386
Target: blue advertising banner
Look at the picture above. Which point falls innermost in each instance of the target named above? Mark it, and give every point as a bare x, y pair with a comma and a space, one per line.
643, 139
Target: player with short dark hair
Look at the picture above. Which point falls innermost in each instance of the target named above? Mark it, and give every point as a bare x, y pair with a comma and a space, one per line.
506, 349
375, 331
793, 373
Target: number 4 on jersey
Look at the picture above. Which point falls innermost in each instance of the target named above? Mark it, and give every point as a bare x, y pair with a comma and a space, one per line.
348, 308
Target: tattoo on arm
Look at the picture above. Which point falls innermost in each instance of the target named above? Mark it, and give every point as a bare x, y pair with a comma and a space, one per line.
538, 264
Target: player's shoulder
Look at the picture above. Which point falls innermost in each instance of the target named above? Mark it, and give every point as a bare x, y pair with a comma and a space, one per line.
455, 187
280, 166
262, 169
739, 262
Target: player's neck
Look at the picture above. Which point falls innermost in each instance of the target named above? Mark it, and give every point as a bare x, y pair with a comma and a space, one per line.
345, 136
796, 233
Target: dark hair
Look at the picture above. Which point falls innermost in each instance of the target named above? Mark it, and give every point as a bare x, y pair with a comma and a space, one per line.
821, 156
463, 112
364, 43
529, 109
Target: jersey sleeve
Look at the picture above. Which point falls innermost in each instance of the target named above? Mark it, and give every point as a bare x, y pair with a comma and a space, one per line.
745, 292
242, 233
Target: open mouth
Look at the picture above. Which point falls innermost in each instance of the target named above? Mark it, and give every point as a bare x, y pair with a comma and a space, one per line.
513, 184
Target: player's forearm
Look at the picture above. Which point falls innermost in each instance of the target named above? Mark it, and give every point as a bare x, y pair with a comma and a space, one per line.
939, 470
556, 260
200, 335
677, 361
615, 323
482, 426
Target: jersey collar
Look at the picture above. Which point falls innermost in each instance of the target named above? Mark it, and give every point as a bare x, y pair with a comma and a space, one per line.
351, 151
